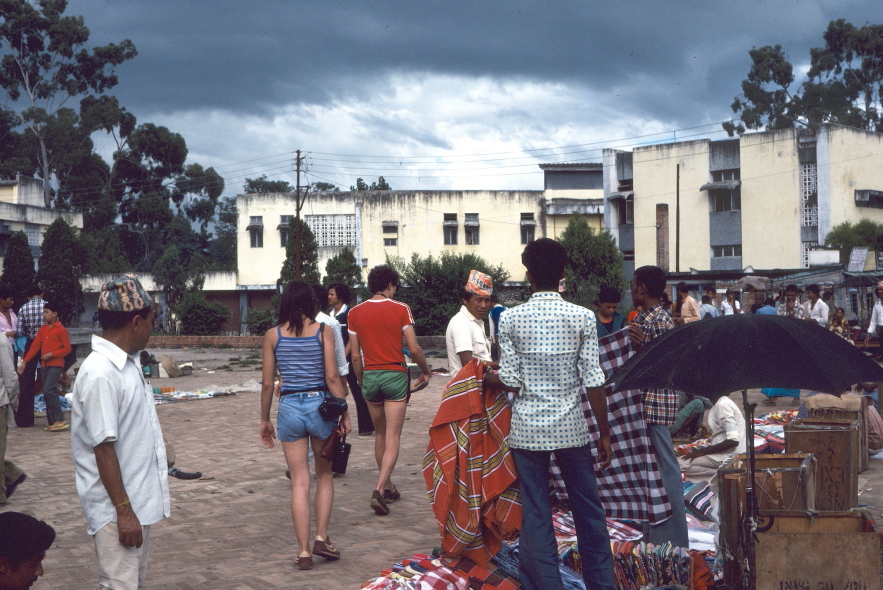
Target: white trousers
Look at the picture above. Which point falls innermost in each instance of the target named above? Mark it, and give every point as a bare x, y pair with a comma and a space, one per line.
120, 567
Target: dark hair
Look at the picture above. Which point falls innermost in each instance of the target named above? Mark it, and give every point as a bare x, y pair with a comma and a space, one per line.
298, 300
828, 294
342, 291
609, 295
652, 278
663, 298
792, 289
33, 290
23, 537
682, 287
117, 320
381, 277
770, 301
321, 294
814, 289
706, 299
50, 305
545, 260
6, 292
466, 295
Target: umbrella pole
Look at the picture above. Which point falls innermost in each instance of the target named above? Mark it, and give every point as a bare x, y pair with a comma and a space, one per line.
750, 515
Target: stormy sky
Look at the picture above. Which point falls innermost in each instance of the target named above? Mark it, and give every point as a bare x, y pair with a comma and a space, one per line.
441, 95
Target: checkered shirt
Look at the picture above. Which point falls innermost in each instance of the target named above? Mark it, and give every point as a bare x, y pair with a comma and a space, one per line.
660, 405
30, 318
631, 488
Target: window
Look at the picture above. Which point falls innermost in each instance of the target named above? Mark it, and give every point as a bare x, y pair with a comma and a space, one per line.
391, 229
450, 229
390, 241
726, 200
528, 225
32, 232
333, 230
283, 227
470, 228
628, 255
809, 195
853, 301
722, 175
255, 229
726, 251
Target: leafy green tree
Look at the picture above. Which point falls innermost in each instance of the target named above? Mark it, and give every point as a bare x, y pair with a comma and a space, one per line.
844, 84
18, 268
309, 271
848, 235
60, 270
344, 269
324, 186
222, 250
263, 185
431, 286
103, 252
46, 62
380, 185
595, 261
178, 276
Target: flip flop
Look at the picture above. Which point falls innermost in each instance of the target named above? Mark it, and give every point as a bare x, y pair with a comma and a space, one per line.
57, 427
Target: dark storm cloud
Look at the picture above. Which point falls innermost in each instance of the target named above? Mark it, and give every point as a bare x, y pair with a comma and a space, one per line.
673, 61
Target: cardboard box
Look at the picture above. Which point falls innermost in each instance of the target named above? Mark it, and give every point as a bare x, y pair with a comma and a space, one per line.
835, 444
848, 407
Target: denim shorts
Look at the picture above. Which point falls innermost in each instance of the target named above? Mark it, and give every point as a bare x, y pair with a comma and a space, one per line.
298, 417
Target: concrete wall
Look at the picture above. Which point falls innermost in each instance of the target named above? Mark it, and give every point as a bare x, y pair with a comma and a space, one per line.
24, 190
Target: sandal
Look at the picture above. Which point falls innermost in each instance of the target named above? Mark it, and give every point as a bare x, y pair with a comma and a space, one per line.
57, 427
326, 549
391, 495
769, 402
378, 504
796, 401
304, 563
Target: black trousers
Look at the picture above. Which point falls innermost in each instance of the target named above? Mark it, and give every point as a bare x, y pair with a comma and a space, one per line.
24, 415
364, 417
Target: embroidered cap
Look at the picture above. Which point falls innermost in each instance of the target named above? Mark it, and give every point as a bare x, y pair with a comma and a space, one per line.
480, 283
123, 293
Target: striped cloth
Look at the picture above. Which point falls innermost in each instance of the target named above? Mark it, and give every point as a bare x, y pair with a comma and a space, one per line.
631, 488
470, 473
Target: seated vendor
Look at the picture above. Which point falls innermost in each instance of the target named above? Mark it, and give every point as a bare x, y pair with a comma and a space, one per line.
688, 422
727, 437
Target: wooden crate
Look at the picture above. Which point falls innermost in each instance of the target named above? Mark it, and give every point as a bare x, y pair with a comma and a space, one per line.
830, 550
858, 411
782, 482
835, 444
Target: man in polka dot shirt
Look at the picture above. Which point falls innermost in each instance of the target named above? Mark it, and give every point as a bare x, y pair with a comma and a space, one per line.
549, 349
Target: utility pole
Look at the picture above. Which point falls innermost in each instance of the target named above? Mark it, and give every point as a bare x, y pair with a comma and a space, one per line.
298, 204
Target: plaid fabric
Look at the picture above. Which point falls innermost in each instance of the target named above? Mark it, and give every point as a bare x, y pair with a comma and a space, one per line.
30, 318
470, 473
481, 578
660, 405
565, 529
631, 488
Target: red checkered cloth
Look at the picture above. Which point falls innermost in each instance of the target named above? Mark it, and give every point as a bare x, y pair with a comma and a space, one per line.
631, 488
470, 473
565, 529
481, 578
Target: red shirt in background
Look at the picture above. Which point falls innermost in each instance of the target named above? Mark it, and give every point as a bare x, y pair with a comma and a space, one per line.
50, 338
378, 323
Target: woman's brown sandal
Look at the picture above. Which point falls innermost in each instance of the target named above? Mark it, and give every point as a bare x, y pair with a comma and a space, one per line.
305, 563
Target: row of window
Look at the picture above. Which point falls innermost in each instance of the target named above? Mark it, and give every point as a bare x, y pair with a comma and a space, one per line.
734, 251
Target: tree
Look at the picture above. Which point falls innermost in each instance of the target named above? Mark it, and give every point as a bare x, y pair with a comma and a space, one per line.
201, 317
103, 252
843, 85
343, 268
324, 186
60, 271
262, 185
380, 185
309, 272
18, 268
45, 57
595, 261
847, 236
178, 276
222, 250
432, 286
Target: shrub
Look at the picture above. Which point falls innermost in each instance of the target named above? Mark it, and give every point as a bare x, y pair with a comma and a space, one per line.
261, 320
200, 317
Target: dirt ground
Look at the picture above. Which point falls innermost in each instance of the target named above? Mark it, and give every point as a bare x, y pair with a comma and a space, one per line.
232, 529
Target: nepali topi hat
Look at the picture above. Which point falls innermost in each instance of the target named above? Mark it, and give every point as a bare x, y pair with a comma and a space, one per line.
123, 293
480, 284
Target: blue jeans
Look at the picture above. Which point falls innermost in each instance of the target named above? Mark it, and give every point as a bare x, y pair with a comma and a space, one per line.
537, 549
675, 528
298, 417
54, 412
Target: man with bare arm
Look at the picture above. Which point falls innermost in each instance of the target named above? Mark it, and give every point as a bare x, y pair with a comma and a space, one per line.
376, 328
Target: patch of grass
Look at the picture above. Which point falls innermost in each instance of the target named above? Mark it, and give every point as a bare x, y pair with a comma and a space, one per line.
233, 358
253, 356
223, 367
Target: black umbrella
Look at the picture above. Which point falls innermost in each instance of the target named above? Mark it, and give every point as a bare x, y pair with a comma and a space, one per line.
742, 352
855, 281
746, 351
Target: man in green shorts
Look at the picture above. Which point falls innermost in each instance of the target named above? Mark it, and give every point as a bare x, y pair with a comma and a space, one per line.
376, 328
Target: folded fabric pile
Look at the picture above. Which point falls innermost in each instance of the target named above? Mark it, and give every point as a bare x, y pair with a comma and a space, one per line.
40, 404
424, 572
773, 434
777, 417
639, 565
687, 448
184, 396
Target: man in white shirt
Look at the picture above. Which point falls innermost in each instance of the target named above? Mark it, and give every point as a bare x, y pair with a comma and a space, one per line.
816, 309
727, 437
465, 337
116, 441
876, 316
